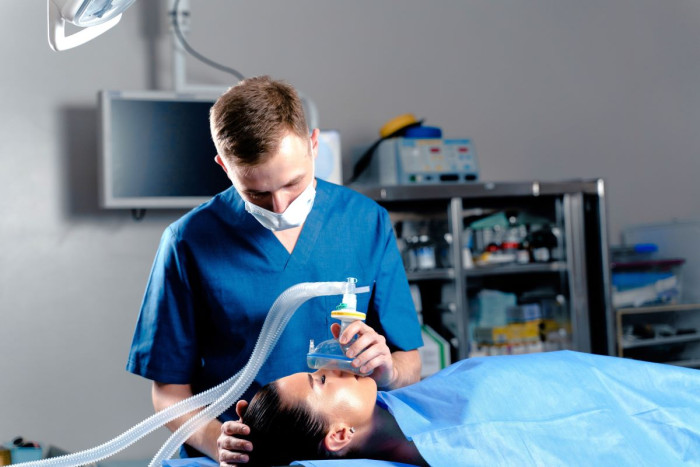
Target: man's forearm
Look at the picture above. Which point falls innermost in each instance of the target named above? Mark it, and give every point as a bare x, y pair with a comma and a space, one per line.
204, 439
407, 367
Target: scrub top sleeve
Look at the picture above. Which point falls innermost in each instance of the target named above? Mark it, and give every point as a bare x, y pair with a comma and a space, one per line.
164, 346
392, 296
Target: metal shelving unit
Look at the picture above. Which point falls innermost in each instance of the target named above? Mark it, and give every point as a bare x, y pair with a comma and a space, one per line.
582, 274
434, 274
499, 270
626, 346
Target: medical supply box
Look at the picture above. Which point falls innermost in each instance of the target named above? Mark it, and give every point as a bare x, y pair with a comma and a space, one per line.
640, 277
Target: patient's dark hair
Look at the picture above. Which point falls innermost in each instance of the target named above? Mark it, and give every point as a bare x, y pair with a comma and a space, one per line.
281, 433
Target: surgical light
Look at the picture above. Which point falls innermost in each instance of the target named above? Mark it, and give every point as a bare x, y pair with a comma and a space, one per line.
95, 16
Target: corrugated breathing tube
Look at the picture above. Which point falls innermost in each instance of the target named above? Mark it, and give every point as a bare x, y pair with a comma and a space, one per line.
216, 399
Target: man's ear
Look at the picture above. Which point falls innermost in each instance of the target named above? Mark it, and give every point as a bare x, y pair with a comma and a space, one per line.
220, 161
314, 142
338, 438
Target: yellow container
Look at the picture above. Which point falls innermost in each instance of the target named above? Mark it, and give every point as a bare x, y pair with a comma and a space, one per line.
514, 333
5, 457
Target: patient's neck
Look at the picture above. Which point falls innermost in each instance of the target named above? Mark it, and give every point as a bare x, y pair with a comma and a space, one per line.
386, 441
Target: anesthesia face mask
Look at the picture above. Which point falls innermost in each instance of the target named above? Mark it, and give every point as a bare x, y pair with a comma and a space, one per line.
330, 355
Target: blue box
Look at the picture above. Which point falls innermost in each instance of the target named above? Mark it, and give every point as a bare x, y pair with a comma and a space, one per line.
25, 454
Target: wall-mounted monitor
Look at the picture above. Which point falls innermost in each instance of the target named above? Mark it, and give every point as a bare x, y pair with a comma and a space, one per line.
156, 150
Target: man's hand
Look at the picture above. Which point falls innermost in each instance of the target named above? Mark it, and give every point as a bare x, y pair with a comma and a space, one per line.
232, 450
369, 352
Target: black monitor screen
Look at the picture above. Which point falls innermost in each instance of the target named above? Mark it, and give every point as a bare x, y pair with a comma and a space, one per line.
158, 152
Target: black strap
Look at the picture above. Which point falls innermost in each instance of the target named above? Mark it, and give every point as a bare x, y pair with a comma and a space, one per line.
364, 160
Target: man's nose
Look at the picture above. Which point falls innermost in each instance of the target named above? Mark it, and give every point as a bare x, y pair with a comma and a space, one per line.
280, 202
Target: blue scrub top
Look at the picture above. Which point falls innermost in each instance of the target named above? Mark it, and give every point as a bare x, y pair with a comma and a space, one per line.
218, 271
559, 408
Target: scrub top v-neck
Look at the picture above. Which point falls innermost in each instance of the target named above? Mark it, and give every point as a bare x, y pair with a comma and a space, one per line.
278, 253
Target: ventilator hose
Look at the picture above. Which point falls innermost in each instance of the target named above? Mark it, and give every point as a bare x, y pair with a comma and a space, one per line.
218, 398
277, 318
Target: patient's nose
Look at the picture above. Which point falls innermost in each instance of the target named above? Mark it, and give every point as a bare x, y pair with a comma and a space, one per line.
334, 373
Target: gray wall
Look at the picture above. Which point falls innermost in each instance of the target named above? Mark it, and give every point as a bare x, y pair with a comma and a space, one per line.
548, 89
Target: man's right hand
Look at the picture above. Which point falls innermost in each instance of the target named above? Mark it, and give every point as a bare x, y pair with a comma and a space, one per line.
232, 450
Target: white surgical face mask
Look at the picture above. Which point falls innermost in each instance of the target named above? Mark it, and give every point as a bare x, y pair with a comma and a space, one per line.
293, 216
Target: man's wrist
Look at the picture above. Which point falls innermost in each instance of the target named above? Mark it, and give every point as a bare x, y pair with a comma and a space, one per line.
391, 383
394, 377
405, 369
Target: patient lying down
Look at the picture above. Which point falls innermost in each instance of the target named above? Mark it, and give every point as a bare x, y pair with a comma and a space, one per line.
541, 409
321, 415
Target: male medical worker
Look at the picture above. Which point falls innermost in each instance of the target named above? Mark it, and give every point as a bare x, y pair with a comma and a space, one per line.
220, 267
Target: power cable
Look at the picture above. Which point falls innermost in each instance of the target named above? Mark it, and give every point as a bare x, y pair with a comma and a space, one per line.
183, 41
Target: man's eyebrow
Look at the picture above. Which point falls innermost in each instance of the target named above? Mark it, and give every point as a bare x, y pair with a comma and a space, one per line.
291, 182
311, 380
295, 180
254, 192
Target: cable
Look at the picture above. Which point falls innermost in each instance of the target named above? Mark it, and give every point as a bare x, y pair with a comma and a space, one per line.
364, 160
181, 37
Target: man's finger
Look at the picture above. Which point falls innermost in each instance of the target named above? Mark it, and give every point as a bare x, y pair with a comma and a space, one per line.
232, 458
356, 327
368, 341
366, 356
230, 443
235, 428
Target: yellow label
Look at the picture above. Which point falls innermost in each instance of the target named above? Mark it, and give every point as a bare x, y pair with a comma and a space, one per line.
347, 314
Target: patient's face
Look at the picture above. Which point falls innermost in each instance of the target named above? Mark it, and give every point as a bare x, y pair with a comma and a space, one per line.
338, 395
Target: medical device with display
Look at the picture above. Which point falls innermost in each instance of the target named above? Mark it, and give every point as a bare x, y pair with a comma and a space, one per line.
423, 161
330, 354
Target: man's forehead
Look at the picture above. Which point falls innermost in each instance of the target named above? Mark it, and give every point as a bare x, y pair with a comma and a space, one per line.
290, 149
270, 178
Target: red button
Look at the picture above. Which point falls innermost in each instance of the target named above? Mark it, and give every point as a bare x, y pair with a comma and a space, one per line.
463, 149
434, 149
